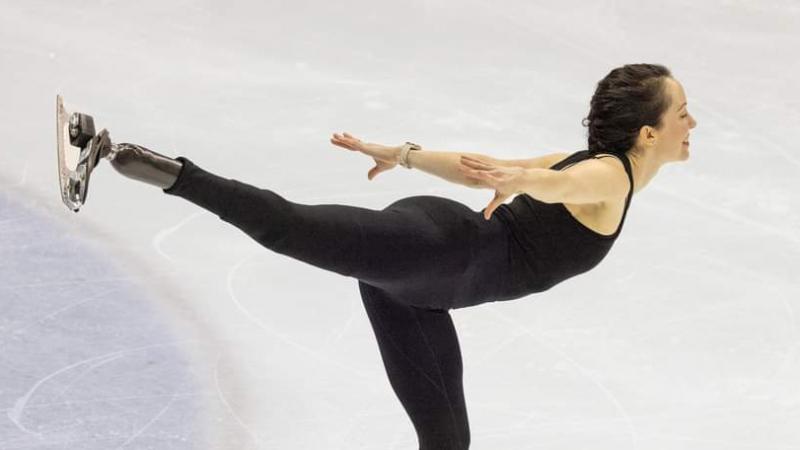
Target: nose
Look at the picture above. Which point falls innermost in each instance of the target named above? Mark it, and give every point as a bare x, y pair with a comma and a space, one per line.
693, 123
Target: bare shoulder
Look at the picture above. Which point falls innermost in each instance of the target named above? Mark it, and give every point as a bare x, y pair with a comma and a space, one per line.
556, 158
602, 179
608, 158
619, 166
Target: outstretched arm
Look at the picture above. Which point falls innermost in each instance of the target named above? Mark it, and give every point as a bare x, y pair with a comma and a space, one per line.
441, 164
538, 162
446, 165
543, 184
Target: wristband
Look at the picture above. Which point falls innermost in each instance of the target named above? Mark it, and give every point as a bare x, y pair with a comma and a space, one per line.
404, 153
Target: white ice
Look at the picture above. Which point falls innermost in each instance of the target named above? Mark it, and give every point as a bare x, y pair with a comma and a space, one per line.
146, 322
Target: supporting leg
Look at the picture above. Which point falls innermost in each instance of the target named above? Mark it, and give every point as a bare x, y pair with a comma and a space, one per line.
421, 353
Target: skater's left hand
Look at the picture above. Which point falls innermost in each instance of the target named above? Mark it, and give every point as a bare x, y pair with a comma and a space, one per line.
505, 180
386, 157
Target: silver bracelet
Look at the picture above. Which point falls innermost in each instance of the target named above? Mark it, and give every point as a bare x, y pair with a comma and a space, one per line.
404, 153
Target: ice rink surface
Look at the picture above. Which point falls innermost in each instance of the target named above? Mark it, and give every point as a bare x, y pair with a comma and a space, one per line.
144, 322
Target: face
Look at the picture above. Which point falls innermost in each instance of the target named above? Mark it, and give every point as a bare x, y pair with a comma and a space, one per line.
669, 142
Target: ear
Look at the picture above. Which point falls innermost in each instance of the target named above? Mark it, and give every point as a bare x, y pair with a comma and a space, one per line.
647, 136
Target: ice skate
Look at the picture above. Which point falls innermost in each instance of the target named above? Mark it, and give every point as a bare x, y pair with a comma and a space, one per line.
77, 141
80, 147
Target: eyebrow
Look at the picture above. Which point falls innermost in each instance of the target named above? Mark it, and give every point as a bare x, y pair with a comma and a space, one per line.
682, 106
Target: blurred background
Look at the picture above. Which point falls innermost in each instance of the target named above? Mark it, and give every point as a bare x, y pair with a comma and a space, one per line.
146, 322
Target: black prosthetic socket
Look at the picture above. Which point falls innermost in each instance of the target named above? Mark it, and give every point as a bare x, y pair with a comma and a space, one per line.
140, 163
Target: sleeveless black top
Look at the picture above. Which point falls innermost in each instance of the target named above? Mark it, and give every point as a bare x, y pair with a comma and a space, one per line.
555, 244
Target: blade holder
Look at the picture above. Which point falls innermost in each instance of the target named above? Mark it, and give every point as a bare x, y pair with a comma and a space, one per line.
81, 129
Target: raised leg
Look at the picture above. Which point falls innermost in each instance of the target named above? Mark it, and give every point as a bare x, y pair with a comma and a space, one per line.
422, 357
403, 245
139, 163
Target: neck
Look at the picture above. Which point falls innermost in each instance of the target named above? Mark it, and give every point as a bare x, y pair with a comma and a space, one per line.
644, 166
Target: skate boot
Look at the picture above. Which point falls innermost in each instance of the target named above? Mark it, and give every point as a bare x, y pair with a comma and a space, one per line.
76, 131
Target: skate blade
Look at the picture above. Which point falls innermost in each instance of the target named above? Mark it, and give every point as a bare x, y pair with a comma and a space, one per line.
73, 174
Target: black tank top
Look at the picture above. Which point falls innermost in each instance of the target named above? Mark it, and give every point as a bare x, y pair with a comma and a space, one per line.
555, 244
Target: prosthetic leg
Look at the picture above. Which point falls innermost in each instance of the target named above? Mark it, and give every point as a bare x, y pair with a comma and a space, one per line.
76, 139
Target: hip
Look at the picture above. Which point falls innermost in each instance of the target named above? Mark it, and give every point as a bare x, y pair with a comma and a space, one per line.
494, 264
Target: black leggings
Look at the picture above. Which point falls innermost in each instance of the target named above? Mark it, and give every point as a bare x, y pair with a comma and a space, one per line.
414, 260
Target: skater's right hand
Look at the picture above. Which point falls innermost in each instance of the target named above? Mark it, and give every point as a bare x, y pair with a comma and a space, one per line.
385, 157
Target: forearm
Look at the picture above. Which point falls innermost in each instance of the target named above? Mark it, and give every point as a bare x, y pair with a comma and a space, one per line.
545, 185
444, 164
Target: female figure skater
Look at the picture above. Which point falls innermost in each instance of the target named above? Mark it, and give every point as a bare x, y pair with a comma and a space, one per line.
423, 255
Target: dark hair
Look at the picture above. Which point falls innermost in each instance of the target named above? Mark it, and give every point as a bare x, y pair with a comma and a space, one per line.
627, 99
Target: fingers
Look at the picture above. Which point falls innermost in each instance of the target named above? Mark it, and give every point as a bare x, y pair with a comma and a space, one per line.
346, 137
483, 174
472, 162
487, 212
347, 141
472, 158
336, 141
469, 173
494, 204
473, 168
